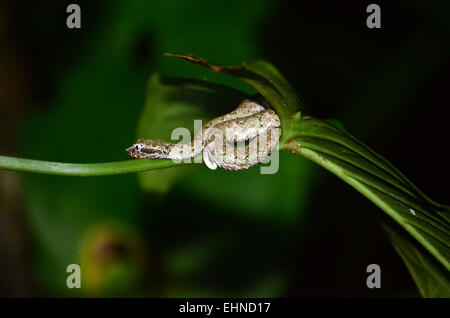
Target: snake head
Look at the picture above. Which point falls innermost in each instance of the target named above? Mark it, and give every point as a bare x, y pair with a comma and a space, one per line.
156, 149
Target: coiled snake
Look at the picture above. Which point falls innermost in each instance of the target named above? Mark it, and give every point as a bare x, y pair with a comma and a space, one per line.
253, 125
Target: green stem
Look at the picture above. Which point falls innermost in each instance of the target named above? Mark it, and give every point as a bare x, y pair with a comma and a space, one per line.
83, 169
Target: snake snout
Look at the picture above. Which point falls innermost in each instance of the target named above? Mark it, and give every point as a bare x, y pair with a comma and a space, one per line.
135, 150
131, 151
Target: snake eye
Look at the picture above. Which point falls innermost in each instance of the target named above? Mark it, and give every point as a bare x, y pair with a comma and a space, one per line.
137, 147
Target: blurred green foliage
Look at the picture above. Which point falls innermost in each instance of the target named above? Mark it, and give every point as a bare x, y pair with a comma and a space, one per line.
200, 234
94, 117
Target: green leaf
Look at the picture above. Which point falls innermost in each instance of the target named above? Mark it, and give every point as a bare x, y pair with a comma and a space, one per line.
426, 221
431, 278
377, 179
263, 77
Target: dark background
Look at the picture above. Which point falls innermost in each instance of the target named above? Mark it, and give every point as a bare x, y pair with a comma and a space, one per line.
76, 96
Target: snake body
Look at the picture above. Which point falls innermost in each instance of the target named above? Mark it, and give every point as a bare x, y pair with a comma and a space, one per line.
252, 121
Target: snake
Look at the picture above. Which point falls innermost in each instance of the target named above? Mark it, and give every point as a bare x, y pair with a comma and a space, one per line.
237, 140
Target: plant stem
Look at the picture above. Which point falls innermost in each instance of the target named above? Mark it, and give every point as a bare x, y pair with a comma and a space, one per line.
83, 169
